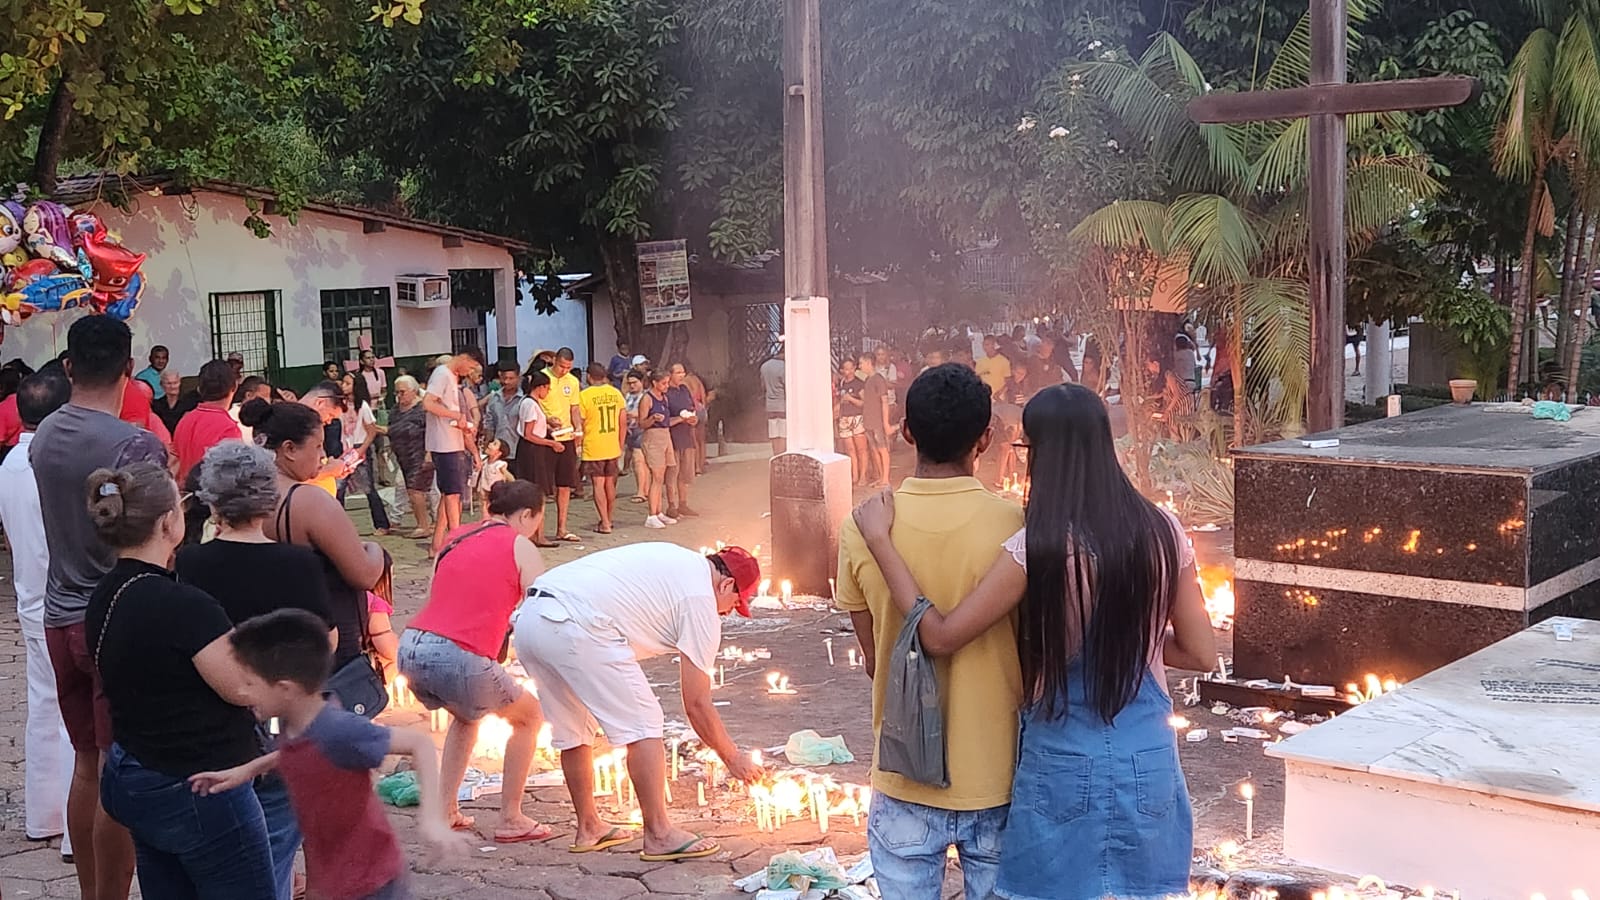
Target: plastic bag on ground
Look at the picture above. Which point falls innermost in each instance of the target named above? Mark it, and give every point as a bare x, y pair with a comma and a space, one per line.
807, 748
399, 789
1551, 409
817, 870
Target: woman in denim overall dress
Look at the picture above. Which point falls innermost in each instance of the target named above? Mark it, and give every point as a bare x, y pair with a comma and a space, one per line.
1099, 807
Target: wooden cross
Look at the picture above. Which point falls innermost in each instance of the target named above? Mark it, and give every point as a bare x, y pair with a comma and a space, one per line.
1326, 101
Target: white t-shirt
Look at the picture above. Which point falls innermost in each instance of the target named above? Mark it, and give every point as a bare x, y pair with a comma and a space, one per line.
657, 595
246, 433
357, 426
531, 411
441, 436
24, 523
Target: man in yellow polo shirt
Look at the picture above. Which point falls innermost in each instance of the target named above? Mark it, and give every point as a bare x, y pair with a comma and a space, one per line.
558, 472
993, 367
602, 407
949, 529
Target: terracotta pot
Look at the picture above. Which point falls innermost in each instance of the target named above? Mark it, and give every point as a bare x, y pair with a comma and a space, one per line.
1462, 389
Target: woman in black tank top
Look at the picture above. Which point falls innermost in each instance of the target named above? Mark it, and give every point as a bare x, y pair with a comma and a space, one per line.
310, 516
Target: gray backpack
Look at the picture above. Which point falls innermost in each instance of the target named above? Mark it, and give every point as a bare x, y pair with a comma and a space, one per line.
911, 737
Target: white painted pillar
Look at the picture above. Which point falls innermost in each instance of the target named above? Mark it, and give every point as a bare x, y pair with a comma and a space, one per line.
808, 374
1379, 362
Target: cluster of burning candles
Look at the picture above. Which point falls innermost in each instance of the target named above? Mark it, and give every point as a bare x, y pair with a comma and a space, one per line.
1332, 541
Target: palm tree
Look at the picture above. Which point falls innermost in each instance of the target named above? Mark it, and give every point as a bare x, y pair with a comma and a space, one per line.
1237, 218
1550, 118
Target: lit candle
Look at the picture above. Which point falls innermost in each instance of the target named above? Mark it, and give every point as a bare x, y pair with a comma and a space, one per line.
1249, 793
701, 793
828, 642
855, 658
722, 676
766, 586
788, 591
674, 764
616, 779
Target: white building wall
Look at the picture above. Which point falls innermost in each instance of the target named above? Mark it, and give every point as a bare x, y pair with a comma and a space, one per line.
197, 245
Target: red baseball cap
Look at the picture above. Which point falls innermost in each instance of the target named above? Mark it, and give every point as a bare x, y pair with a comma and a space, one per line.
746, 574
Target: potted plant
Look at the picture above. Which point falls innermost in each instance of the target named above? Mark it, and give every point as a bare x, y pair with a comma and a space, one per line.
1462, 389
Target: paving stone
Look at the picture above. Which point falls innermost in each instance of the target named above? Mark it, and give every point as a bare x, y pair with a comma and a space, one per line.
492, 892
19, 889
438, 885
624, 862
43, 864
694, 878
593, 887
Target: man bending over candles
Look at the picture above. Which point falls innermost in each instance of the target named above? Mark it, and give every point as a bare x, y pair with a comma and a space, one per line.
581, 634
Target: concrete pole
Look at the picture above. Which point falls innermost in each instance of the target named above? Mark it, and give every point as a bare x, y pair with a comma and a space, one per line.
1380, 362
810, 484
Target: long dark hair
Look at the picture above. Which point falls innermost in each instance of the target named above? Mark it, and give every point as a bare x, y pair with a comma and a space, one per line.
1087, 523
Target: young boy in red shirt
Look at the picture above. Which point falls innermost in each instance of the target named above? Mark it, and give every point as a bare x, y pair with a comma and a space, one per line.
326, 756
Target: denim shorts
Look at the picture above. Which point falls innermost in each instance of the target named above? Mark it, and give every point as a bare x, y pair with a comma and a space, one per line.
444, 676
450, 472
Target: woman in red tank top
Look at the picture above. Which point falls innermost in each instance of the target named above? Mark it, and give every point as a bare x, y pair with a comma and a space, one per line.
452, 650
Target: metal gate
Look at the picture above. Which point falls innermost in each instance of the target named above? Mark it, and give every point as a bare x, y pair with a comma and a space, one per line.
248, 323
757, 328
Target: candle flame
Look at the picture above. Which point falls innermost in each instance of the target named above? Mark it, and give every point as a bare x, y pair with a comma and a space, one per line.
1371, 688
1216, 585
1247, 791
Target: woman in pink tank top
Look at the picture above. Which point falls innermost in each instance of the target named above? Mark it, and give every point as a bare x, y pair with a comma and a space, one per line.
452, 651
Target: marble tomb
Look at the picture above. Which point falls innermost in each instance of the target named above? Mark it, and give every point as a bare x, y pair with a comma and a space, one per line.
1482, 777
1414, 542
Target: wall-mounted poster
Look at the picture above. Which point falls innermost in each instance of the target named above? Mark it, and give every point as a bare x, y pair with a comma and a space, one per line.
664, 282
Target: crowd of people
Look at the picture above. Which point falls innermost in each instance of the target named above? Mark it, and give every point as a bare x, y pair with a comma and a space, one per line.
204, 662
201, 725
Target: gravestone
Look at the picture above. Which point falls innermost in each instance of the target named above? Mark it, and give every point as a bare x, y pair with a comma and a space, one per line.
1416, 541
1481, 777
810, 497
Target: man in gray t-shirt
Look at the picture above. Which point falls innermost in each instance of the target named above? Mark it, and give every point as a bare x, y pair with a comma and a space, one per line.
772, 384
70, 444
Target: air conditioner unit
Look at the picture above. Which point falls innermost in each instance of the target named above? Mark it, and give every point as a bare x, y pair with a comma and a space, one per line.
422, 291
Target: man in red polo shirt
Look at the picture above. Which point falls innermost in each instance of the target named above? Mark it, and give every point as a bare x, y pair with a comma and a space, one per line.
209, 424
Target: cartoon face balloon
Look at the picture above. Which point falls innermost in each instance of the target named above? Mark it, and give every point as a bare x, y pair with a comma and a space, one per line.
11, 215
48, 234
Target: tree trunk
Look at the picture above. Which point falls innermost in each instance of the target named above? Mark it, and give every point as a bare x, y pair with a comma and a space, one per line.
53, 137
1519, 308
622, 281
1577, 304
1577, 224
1580, 327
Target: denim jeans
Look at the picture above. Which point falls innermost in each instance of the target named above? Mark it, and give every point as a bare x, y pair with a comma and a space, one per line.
189, 847
283, 831
909, 843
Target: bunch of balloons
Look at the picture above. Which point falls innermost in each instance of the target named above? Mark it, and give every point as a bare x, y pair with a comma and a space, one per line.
52, 259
